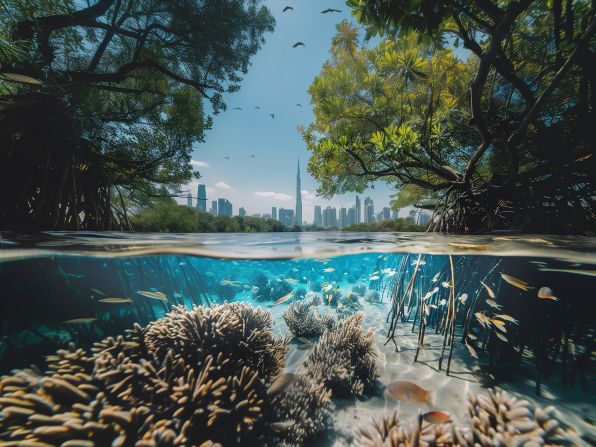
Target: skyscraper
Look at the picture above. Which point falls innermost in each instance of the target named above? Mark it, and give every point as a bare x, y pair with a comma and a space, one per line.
242, 212
189, 200
286, 217
224, 207
273, 213
318, 221
201, 198
394, 214
298, 197
343, 218
386, 213
369, 210
351, 216
358, 210
214, 207
330, 217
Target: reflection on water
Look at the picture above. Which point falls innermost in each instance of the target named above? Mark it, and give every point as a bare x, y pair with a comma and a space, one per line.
302, 339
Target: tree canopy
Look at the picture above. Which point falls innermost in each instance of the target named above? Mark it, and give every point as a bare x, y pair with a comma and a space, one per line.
109, 98
478, 110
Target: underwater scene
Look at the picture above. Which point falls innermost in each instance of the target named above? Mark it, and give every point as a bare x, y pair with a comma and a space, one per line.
298, 339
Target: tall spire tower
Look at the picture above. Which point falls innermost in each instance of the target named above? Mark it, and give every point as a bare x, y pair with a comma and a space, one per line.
298, 197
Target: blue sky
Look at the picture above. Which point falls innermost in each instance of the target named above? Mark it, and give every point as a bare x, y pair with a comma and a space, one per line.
277, 80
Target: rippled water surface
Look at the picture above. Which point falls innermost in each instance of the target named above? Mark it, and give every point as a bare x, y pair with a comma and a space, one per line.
295, 339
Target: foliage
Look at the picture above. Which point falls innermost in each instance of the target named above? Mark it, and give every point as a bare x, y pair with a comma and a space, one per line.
164, 215
124, 88
400, 224
480, 141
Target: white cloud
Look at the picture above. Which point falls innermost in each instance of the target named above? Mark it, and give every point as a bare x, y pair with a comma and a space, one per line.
274, 195
308, 196
210, 190
199, 164
223, 185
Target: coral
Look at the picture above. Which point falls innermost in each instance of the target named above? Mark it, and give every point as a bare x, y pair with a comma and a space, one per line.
226, 292
302, 410
501, 419
278, 288
498, 419
344, 358
373, 297
260, 281
192, 378
303, 320
332, 297
359, 289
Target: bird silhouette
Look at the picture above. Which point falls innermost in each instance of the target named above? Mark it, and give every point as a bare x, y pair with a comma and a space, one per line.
298, 44
272, 116
288, 8
257, 107
227, 157
252, 156
237, 108
330, 10
298, 105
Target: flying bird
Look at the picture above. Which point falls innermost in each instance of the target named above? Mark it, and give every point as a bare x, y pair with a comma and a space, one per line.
330, 10
252, 156
227, 157
237, 108
257, 107
272, 116
298, 105
288, 8
298, 44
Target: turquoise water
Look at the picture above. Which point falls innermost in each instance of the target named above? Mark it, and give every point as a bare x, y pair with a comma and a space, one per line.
322, 331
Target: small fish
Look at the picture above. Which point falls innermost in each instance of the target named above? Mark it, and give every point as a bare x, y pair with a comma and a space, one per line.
304, 340
436, 417
281, 427
322, 260
442, 302
506, 317
225, 282
576, 271
494, 304
482, 318
246, 287
446, 284
407, 392
154, 295
329, 270
374, 278
429, 294
547, 294
80, 320
235, 284
516, 282
419, 262
340, 306
255, 289
99, 292
292, 281
501, 336
116, 300
463, 298
209, 273
327, 287
391, 273
489, 290
436, 277
281, 383
472, 351
284, 298
499, 324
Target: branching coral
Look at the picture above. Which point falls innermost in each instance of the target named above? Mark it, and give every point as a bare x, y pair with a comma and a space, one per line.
192, 378
498, 420
359, 289
303, 320
301, 412
344, 358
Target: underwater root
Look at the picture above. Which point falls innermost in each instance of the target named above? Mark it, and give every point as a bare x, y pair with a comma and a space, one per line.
497, 420
197, 377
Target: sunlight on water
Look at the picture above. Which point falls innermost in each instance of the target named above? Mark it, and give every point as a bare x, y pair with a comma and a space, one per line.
321, 333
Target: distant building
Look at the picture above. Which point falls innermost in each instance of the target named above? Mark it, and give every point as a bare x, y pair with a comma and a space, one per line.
274, 213
423, 218
330, 217
214, 207
242, 212
412, 215
266, 216
255, 215
394, 214
351, 216
286, 217
369, 210
189, 200
318, 220
298, 197
358, 210
343, 218
201, 198
386, 213
224, 207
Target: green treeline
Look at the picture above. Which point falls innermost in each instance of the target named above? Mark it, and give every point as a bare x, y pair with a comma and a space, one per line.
400, 224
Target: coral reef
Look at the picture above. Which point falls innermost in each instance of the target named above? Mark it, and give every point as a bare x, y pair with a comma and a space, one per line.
498, 419
344, 358
262, 291
359, 289
332, 297
301, 412
373, 297
278, 288
348, 304
194, 377
303, 320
